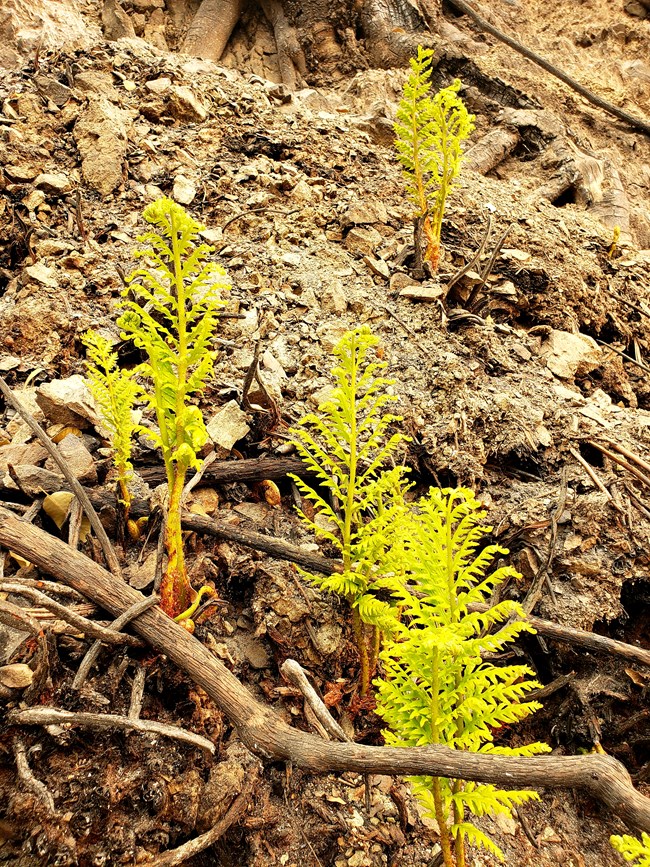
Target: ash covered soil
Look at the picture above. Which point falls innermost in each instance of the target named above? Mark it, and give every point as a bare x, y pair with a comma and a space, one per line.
524, 381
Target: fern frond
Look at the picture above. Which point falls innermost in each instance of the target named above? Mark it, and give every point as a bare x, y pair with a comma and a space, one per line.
632, 849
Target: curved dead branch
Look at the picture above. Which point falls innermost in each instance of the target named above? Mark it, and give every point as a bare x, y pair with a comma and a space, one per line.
263, 731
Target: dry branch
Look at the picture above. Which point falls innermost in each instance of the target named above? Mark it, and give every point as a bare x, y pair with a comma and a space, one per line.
46, 716
266, 734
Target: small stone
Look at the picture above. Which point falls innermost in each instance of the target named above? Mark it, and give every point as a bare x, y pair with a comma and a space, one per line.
115, 21
400, 280
424, 292
293, 259
228, 426
568, 355
16, 675
55, 184
303, 193
158, 85
78, 459
43, 274
333, 299
185, 106
184, 190
53, 90
20, 174
363, 241
68, 402
377, 266
365, 213
253, 650
21, 453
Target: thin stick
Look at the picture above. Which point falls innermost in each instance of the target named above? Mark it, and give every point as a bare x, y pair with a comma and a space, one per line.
200, 844
17, 618
265, 732
621, 462
294, 673
130, 614
51, 448
628, 454
44, 716
475, 258
582, 638
107, 636
137, 692
630, 119
623, 355
594, 478
41, 584
27, 778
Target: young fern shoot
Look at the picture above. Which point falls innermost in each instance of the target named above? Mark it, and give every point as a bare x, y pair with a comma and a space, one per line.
170, 310
346, 447
115, 391
435, 687
429, 135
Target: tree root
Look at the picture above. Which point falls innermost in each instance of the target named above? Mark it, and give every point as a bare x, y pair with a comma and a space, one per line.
264, 732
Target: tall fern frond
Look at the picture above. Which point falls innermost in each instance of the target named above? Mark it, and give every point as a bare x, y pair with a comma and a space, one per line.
435, 686
429, 134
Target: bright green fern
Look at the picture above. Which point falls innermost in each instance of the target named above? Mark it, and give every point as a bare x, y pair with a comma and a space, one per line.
633, 849
347, 447
115, 391
430, 131
436, 686
171, 310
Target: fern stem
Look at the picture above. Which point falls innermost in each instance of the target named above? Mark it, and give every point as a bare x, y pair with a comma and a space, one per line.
441, 819
359, 631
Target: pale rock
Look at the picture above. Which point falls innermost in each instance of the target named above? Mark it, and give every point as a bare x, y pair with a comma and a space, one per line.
293, 259
43, 274
568, 355
34, 480
333, 298
55, 183
302, 192
365, 213
185, 106
20, 174
363, 241
228, 426
158, 85
377, 266
101, 136
68, 402
399, 280
16, 675
253, 650
424, 292
184, 190
116, 23
18, 454
329, 335
53, 90
506, 824
78, 459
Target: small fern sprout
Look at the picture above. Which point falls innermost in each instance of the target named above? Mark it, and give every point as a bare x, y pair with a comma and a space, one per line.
347, 446
435, 686
429, 135
116, 392
170, 310
636, 851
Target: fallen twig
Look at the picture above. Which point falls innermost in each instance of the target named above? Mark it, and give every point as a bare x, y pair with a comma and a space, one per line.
101, 633
266, 734
594, 478
200, 844
294, 673
44, 716
50, 447
137, 692
622, 462
127, 616
610, 108
27, 778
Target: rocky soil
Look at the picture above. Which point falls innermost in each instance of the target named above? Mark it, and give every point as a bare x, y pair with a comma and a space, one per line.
526, 379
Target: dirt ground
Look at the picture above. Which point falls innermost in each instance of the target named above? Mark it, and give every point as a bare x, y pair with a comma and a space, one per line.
524, 388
